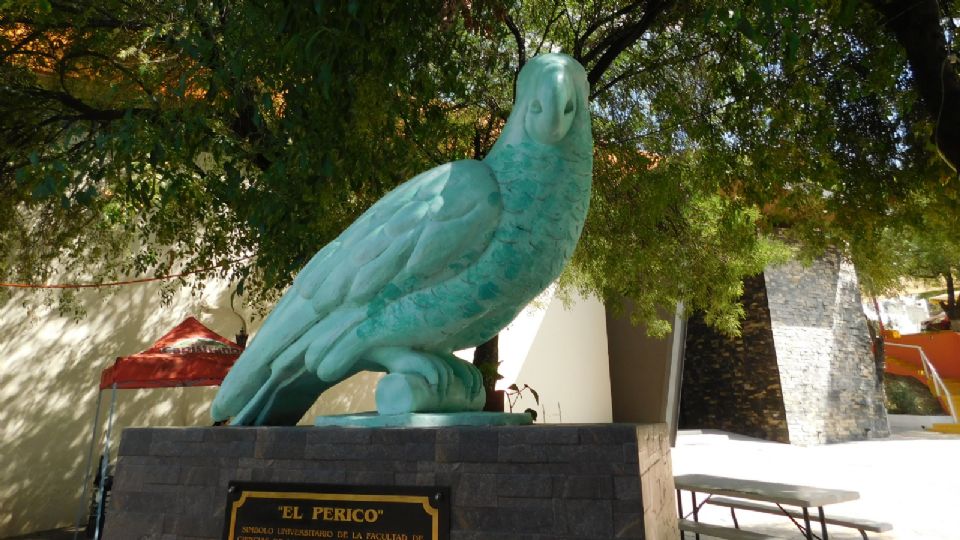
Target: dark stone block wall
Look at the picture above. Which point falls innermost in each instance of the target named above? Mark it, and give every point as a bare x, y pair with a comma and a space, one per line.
522, 482
733, 384
802, 372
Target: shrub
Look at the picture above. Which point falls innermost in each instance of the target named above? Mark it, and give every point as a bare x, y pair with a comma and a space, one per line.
906, 395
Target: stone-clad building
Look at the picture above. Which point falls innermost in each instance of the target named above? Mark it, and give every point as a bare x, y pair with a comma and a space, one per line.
801, 372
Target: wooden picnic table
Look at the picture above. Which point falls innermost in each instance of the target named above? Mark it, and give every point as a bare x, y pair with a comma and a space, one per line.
805, 497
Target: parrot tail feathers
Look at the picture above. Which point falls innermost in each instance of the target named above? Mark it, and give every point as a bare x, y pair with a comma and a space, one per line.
236, 390
260, 390
281, 402
255, 376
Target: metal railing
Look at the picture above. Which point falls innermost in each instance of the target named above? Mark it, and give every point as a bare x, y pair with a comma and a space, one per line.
931, 373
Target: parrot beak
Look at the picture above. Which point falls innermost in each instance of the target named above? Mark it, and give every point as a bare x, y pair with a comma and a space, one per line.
552, 106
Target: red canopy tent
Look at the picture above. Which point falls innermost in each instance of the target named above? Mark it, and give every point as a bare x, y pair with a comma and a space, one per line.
188, 355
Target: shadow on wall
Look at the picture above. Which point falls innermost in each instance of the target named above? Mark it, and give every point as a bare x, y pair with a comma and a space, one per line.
49, 377
831, 390
50, 370
353, 395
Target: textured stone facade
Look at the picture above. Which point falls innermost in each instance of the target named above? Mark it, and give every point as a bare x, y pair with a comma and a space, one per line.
733, 384
827, 371
527, 483
802, 371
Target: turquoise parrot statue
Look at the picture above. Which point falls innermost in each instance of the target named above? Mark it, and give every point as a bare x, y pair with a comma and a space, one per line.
441, 263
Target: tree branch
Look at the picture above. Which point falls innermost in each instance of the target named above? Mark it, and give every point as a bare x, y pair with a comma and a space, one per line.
81, 53
86, 112
628, 73
518, 37
612, 17
521, 48
554, 17
610, 47
16, 48
916, 26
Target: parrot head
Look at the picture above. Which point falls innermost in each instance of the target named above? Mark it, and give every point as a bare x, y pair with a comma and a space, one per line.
551, 108
552, 93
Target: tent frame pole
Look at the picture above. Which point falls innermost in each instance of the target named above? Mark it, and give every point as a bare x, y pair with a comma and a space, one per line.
104, 462
86, 469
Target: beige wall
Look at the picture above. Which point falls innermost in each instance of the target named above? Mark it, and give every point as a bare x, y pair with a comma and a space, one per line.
561, 352
49, 372
644, 371
50, 367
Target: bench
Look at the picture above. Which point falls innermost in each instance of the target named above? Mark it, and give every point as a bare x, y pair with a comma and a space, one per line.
862, 525
718, 531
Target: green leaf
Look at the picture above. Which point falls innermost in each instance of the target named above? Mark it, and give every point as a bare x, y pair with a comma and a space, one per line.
44, 189
746, 28
708, 14
325, 76
313, 38
793, 45
848, 9
86, 196
157, 153
532, 413
326, 166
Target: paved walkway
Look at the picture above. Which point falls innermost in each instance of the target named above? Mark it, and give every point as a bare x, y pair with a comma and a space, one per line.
911, 479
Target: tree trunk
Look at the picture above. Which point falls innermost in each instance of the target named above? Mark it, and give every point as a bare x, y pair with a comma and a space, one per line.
917, 27
486, 358
951, 308
879, 352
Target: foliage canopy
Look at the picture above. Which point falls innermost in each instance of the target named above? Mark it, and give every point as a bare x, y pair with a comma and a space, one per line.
143, 138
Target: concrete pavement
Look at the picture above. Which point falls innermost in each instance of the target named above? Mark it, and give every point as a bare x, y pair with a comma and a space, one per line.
911, 479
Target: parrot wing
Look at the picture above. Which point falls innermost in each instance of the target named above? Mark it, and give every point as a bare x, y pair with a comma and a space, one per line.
423, 232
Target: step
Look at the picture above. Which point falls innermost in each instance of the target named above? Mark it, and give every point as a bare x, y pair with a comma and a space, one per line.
903, 365
853, 523
945, 428
719, 531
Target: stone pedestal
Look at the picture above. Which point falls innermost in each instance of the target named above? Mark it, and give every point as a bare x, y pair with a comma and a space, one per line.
520, 482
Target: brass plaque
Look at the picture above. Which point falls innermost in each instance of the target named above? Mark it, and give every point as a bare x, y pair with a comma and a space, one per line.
281, 511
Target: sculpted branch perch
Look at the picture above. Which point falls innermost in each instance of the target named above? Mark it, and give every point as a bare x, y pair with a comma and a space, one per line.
441, 263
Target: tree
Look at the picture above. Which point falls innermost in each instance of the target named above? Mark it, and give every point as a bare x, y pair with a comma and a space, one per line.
801, 120
925, 244
922, 29
146, 137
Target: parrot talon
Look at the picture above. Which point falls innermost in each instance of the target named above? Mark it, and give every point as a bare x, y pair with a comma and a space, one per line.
451, 381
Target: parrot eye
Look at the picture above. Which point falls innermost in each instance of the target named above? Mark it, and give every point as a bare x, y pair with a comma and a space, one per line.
569, 107
536, 107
